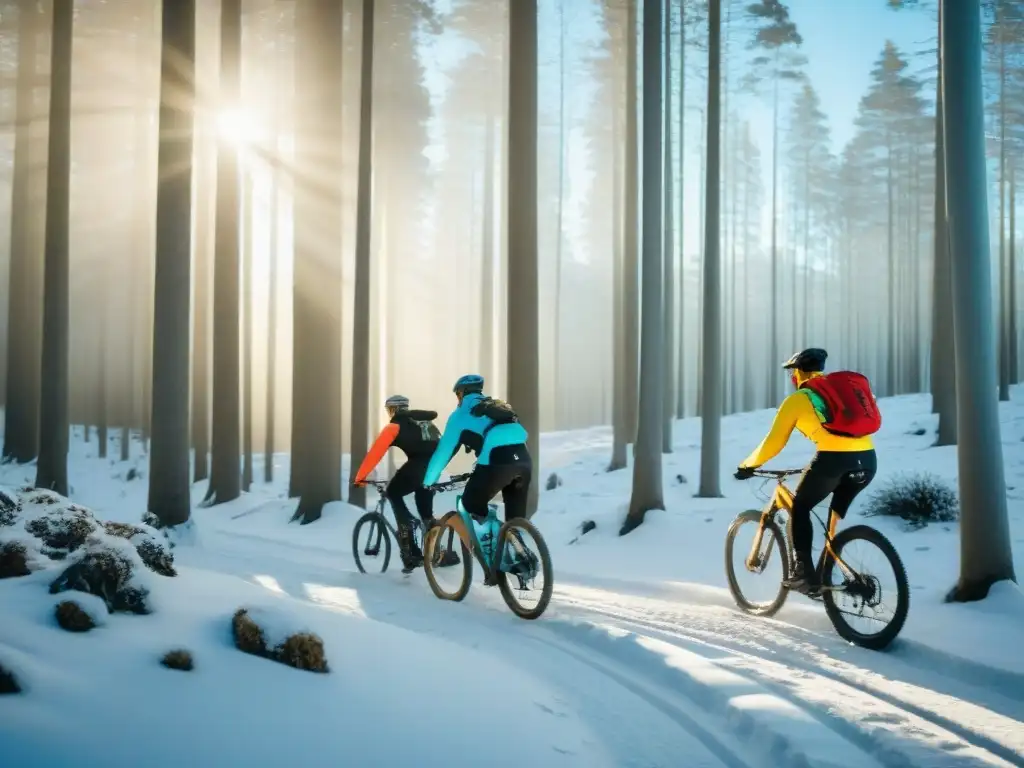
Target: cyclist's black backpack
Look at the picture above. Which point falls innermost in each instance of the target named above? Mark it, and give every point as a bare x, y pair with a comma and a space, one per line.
498, 411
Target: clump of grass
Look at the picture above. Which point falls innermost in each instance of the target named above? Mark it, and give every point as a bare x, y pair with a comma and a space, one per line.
301, 650
179, 659
917, 499
247, 634
72, 617
13, 560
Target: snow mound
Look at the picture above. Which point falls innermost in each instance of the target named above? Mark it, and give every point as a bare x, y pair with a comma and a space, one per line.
276, 635
380, 674
42, 531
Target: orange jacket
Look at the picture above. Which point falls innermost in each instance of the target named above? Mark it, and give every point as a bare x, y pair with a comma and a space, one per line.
376, 453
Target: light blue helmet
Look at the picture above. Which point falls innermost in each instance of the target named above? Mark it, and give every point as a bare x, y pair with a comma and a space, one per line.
471, 382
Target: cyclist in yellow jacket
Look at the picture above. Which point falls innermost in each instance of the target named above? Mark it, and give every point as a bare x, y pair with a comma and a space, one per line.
837, 413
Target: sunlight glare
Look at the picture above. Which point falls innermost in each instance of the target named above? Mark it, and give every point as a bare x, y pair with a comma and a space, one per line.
237, 126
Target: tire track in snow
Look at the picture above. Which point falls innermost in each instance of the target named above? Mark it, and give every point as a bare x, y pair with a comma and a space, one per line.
887, 736
705, 735
491, 627
768, 725
749, 641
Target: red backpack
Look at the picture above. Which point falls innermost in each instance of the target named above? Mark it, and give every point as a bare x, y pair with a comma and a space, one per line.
852, 409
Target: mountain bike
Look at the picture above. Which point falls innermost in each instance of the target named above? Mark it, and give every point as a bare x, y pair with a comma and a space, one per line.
863, 588
510, 559
377, 527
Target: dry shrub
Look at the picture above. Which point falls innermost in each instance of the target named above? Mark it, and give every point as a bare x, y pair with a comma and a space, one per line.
917, 499
247, 634
62, 531
122, 530
71, 616
9, 509
179, 659
153, 554
13, 560
107, 574
302, 650
8, 683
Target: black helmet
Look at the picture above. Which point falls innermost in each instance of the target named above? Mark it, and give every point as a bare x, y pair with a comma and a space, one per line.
809, 361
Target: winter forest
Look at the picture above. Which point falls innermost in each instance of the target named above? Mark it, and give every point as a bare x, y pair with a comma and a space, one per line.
236, 226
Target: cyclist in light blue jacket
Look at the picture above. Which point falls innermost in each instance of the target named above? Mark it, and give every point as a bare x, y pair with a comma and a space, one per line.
491, 429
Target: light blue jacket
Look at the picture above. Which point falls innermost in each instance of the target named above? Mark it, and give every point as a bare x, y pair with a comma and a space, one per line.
463, 428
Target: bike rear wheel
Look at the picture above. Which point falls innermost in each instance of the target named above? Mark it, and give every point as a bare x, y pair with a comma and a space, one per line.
370, 539
435, 541
773, 545
865, 589
528, 566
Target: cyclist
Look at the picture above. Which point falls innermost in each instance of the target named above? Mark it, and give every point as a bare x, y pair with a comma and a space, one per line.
416, 435
838, 413
491, 429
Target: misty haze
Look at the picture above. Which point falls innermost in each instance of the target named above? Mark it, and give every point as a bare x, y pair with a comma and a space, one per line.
511, 382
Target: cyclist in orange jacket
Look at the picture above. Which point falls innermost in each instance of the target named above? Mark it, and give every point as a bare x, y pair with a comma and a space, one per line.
416, 435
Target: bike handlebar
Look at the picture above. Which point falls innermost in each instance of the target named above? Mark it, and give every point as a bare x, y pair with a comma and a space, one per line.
450, 483
776, 474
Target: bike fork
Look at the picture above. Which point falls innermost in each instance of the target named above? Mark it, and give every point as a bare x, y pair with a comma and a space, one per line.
754, 560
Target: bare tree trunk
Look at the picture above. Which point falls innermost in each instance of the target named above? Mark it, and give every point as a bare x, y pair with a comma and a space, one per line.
620, 393
943, 357
317, 229
361, 311
169, 497
270, 433
225, 474
523, 331
1011, 259
985, 553
102, 410
681, 277
559, 226
488, 368
774, 391
24, 347
890, 347
1004, 309
205, 193
631, 261
648, 492
248, 198
711, 411
668, 258
52, 467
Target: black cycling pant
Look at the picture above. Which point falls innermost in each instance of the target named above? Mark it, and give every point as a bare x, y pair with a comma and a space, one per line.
409, 479
508, 473
844, 475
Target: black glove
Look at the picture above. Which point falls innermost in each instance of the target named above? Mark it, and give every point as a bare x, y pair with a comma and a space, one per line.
744, 473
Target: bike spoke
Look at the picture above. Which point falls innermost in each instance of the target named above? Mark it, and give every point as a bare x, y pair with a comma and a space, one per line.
871, 593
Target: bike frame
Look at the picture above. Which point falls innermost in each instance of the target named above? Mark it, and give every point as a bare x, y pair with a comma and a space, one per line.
782, 500
379, 509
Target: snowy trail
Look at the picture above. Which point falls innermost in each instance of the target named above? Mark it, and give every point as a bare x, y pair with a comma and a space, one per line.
639, 662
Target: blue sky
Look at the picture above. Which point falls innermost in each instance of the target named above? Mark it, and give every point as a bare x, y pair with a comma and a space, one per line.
842, 40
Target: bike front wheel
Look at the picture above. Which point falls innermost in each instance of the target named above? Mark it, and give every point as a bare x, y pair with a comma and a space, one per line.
370, 541
518, 566
861, 591
772, 549
436, 543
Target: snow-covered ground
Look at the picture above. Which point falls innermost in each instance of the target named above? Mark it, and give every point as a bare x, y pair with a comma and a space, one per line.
641, 660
